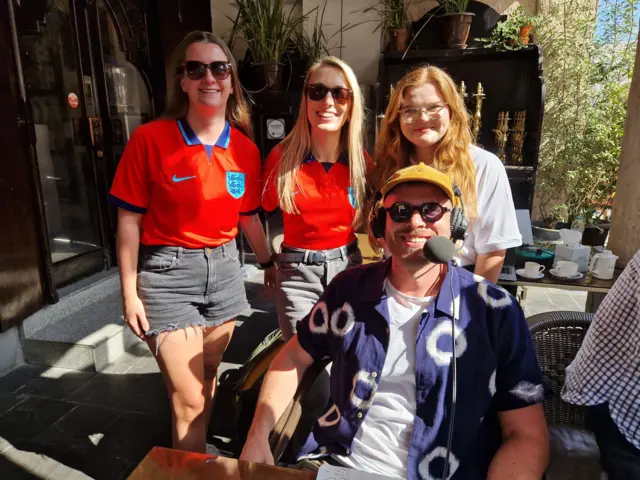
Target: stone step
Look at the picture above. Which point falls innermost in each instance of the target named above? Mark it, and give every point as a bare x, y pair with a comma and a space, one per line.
83, 331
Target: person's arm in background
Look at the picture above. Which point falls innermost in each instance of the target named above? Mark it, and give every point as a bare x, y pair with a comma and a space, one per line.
489, 265
249, 221
130, 193
496, 228
128, 245
252, 228
278, 388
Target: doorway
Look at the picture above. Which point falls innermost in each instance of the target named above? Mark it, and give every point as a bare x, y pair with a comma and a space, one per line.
85, 96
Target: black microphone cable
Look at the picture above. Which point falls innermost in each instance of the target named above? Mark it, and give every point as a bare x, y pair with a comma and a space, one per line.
454, 372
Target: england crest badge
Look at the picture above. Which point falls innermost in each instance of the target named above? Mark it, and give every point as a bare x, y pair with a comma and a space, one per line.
352, 197
235, 184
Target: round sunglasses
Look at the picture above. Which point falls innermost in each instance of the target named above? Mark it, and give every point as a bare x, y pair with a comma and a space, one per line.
196, 70
430, 212
410, 114
318, 91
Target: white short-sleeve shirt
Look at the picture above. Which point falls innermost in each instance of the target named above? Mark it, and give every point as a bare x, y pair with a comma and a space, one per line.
496, 227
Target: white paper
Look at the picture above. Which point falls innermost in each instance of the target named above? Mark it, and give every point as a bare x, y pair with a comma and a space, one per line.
330, 472
524, 225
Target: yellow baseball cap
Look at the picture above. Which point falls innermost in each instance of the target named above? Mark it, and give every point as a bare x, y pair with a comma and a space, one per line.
420, 173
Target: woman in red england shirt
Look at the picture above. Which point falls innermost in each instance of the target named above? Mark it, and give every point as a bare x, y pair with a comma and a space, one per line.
183, 186
316, 176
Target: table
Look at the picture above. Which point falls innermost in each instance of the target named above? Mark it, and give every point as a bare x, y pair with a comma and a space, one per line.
597, 288
168, 464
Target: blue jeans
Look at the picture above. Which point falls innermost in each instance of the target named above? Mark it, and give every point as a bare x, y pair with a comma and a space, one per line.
618, 457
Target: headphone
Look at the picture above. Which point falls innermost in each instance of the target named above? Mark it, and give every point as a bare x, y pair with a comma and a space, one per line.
459, 223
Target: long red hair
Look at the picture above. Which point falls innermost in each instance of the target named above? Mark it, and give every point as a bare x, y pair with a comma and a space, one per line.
452, 154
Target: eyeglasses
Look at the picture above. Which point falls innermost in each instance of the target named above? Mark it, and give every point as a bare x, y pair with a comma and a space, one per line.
430, 212
197, 70
413, 114
318, 91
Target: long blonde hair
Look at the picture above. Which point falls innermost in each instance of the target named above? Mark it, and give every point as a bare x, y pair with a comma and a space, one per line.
452, 154
297, 145
237, 113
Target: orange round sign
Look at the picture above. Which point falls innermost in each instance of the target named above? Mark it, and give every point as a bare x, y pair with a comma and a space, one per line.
72, 98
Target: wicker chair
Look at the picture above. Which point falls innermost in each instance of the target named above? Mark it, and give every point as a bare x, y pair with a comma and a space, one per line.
557, 337
574, 453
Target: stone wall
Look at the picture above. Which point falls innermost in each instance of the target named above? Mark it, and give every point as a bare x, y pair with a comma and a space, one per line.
624, 238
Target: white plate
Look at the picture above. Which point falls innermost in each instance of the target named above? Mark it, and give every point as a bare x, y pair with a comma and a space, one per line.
554, 272
520, 272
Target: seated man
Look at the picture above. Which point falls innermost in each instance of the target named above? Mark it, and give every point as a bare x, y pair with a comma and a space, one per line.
606, 375
387, 328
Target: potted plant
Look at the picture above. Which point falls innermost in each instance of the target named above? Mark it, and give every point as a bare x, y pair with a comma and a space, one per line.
394, 19
454, 22
512, 33
526, 24
268, 30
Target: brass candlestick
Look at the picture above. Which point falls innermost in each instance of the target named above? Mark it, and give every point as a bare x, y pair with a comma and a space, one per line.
477, 116
463, 90
501, 134
517, 137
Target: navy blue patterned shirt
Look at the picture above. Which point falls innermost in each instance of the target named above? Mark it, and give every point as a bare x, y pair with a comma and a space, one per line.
496, 362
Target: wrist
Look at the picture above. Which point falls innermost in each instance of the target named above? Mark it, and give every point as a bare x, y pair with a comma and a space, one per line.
265, 265
129, 293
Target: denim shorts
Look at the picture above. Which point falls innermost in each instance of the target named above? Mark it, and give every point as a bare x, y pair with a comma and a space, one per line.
181, 287
299, 286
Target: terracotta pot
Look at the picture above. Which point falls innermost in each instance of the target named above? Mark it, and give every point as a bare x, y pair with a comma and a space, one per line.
399, 39
525, 32
455, 28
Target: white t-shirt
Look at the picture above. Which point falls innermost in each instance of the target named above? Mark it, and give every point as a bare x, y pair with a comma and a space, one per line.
382, 443
496, 227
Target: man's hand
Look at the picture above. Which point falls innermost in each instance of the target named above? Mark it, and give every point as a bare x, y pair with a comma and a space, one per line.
256, 449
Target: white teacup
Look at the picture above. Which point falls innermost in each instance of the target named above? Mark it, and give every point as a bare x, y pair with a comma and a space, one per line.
533, 269
566, 269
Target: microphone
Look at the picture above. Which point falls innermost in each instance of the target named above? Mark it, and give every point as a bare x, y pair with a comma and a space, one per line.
441, 250
438, 249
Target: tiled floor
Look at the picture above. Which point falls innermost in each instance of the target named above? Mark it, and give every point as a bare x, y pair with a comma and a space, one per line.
67, 425
540, 300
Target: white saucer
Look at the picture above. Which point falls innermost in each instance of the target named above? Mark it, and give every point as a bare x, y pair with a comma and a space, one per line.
520, 272
577, 276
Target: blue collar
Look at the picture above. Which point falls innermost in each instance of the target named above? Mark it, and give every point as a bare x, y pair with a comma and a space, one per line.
341, 159
374, 291
191, 138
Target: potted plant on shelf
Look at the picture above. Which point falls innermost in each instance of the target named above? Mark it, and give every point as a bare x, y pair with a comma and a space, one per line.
513, 33
454, 22
394, 20
269, 31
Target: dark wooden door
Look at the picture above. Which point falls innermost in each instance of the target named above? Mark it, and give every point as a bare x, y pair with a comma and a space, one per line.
86, 69
22, 254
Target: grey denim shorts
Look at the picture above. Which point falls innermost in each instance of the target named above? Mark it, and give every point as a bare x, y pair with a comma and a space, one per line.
299, 286
181, 287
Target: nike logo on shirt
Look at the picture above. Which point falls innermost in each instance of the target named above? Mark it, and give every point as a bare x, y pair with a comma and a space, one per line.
177, 179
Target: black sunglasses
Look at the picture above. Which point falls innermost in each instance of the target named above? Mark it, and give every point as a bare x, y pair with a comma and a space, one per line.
318, 91
197, 70
430, 212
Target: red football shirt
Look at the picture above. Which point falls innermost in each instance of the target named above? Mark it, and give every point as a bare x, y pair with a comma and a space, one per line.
191, 194
325, 202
